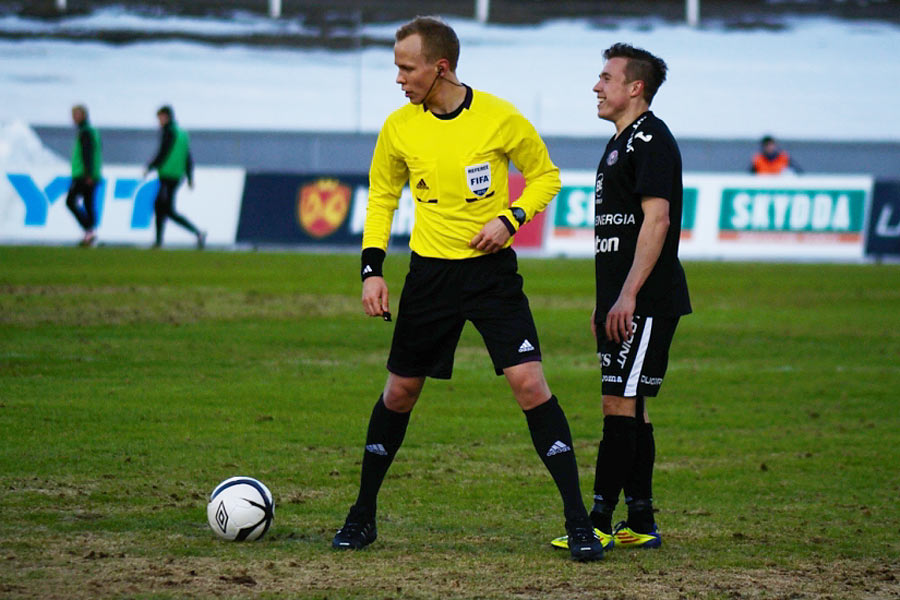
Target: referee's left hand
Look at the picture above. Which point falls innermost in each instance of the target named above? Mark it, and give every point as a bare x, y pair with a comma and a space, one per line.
492, 237
375, 297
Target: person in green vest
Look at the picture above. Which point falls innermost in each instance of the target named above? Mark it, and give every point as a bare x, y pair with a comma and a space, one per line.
87, 161
172, 163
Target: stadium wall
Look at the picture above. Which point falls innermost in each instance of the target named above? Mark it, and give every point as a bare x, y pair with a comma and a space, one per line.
322, 152
726, 216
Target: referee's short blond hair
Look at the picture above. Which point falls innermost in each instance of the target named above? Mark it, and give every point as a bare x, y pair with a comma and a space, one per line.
438, 39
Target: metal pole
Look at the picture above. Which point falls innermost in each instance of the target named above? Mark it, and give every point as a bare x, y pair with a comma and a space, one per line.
357, 38
61, 5
482, 8
275, 9
692, 12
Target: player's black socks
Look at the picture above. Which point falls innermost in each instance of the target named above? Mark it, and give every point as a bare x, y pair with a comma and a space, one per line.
640, 481
615, 457
640, 515
553, 442
602, 514
386, 432
639, 486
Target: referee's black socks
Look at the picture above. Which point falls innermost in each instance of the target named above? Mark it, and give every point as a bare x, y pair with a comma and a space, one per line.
386, 432
553, 442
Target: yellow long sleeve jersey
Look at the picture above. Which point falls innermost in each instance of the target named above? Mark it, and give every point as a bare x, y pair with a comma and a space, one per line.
457, 167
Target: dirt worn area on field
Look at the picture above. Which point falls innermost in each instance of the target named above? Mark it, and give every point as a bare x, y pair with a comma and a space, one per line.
104, 305
97, 570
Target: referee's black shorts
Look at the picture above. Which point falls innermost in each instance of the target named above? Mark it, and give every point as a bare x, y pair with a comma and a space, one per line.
440, 295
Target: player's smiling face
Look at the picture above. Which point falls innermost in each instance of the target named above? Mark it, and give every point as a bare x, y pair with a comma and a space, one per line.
614, 93
414, 73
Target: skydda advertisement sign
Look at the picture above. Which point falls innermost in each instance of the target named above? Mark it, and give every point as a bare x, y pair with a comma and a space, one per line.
793, 217
797, 215
737, 216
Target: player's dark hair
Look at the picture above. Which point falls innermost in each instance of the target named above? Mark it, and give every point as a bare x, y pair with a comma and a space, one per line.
438, 39
166, 110
641, 66
767, 139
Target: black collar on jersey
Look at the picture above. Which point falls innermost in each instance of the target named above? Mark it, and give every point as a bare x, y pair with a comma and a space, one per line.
640, 117
466, 103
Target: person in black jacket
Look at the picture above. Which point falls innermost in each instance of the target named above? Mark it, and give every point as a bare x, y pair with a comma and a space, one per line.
173, 162
86, 164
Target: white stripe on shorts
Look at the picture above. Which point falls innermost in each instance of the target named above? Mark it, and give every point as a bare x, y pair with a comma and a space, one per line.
635, 376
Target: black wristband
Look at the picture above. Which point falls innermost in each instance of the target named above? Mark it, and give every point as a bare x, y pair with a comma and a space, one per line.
372, 263
509, 225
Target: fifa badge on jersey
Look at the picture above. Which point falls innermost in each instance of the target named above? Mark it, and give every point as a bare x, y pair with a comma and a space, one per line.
612, 158
478, 177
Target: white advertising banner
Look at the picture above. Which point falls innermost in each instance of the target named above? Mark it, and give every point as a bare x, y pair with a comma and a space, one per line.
741, 217
33, 206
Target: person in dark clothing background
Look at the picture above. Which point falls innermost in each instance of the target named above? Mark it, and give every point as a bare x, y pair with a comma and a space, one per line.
772, 159
173, 162
86, 164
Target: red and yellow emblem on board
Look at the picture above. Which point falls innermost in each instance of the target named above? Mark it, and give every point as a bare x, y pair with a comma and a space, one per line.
322, 206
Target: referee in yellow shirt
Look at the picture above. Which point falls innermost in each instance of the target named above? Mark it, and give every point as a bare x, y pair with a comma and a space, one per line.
453, 144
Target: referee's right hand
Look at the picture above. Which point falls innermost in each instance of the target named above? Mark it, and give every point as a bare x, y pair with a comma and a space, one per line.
375, 296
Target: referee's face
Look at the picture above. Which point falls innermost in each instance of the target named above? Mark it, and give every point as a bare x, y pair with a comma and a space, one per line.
613, 91
415, 74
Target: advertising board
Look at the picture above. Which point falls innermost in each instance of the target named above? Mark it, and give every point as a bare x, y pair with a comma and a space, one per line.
883, 239
330, 211
33, 206
737, 217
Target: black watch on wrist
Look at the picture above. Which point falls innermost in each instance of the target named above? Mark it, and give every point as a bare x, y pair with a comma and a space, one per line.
518, 214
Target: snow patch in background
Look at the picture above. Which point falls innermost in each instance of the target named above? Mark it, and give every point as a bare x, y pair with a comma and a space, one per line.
21, 147
813, 79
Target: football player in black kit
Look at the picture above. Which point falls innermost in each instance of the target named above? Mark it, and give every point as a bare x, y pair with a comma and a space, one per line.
641, 287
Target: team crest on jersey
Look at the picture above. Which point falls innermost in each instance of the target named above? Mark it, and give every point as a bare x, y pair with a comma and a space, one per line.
478, 178
322, 206
612, 158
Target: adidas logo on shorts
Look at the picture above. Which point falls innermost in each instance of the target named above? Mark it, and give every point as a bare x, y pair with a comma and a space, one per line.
526, 347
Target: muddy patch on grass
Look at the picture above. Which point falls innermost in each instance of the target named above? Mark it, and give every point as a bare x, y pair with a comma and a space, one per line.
97, 568
104, 305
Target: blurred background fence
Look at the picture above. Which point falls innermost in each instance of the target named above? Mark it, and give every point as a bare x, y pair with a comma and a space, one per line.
736, 13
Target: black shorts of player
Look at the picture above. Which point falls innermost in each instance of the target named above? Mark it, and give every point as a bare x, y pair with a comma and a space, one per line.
637, 366
440, 295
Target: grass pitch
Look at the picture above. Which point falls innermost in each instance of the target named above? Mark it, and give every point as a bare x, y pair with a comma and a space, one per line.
131, 382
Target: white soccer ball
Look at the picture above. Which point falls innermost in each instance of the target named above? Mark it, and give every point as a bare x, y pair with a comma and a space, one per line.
240, 509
